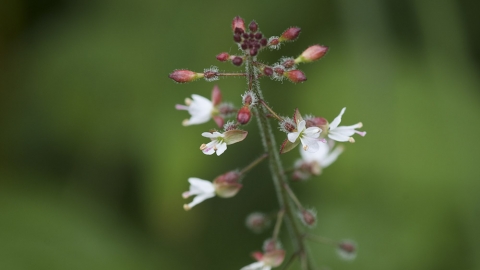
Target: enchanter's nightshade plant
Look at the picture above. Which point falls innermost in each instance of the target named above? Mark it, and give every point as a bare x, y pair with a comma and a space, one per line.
314, 133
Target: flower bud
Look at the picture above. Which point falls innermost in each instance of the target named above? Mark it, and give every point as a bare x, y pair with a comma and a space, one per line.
238, 23
227, 185
237, 61
311, 54
222, 57
290, 34
268, 71
270, 245
347, 250
211, 74
230, 125
253, 26
295, 76
274, 43
249, 98
244, 115
308, 217
288, 63
287, 125
184, 76
257, 222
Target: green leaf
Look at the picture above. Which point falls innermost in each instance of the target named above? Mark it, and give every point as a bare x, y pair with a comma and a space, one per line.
234, 136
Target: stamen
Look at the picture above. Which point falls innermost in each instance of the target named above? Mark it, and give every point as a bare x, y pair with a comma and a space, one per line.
305, 147
181, 107
185, 122
351, 139
361, 133
186, 194
203, 146
186, 207
188, 101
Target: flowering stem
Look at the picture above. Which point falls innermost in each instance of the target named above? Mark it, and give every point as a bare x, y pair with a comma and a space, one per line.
323, 240
278, 224
254, 163
231, 74
270, 110
276, 167
290, 261
292, 196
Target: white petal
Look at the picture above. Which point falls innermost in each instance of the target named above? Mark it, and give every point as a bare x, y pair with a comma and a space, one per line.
221, 148
200, 104
312, 144
331, 157
292, 137
337, 120
338, 137
198, 119
208, 135
209, 149
316, 156
313, 132
301, 125
200, 198
201, 185
254, 266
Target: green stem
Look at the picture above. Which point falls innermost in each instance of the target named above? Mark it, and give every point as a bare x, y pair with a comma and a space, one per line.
254, 163
276, 168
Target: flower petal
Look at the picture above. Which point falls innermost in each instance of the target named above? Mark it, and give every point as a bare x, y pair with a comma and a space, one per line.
311, 144
316, 156
293, 136
200, 198
331, 157
339, 137
197, 184
337, 120
221, 148
254, 266
301, 126
313, 132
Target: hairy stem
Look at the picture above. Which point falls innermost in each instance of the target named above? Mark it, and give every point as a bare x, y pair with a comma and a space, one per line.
276, 168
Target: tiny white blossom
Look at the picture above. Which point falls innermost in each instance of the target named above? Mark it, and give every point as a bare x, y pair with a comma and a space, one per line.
343, 133
217, 144
201, 188
324, 156
200, 108
308, 137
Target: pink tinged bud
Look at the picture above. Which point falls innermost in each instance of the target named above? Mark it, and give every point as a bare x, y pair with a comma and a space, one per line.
271, 245
311, 54
219, 120
316, 122
237, 61
216, 95
227, 185
184, 76
295, 76
257, 255
274, 258
253, 26
257, 222
210, 74
308, 217
288, 63
222, 57
238, 23
279, 71
347, 250
244, 115
290, 34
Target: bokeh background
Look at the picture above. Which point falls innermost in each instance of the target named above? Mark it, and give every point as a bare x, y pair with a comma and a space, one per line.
93, 157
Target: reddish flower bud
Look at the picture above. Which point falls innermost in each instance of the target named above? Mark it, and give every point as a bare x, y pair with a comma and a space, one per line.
253, 26
253, 52
257, 222
295, 76
184, 76
227, 185
288, 62
244, 115
347, 250
270, 245
290, 34
311, 54
263, 42
278, 70
237, 37
268, 71
222, 57
216, 95
308, 217
237, 61
238, 23
274, 42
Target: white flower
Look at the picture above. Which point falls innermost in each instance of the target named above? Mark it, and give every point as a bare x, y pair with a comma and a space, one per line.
257, 266
202, 188
308, 137
343, 133
217, 144
200, 109
324, 156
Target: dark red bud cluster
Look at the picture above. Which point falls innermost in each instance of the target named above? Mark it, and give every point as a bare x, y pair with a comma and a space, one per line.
252, 41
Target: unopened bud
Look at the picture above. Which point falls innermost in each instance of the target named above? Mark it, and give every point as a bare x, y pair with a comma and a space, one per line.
287, 125
320, 122
184, 76
311, 54
222, 57
227, 185
211, 74
237, 61
238, 23
290, 34
268, 71
249, 98
244, 115
257, 222
295, 76
270, 245
308, 217
230, 125
274, 42
347, 250
253, 51
253, 26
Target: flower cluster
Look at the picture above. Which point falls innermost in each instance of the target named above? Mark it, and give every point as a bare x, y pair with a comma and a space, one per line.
316, 135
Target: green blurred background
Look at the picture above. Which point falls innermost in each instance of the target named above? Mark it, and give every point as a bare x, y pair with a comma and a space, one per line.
93, 157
